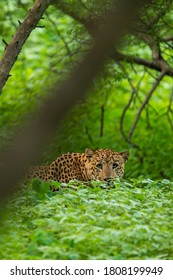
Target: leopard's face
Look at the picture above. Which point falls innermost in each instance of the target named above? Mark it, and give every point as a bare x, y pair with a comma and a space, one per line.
105, 164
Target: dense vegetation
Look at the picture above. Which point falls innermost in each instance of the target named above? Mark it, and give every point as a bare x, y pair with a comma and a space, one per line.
132, 218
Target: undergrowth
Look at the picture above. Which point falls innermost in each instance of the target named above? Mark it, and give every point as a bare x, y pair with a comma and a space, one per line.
130, 219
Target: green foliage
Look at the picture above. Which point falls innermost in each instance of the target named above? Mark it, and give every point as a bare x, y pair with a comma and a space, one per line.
52, 51
128, 220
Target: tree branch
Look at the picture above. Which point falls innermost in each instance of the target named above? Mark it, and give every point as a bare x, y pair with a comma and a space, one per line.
157, 82
127, 106
149, 64
13, 49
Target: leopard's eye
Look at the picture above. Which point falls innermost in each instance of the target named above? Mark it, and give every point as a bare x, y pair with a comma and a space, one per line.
99, 165
114, 165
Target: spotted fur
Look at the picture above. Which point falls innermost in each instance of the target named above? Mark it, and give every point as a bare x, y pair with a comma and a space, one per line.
102, 164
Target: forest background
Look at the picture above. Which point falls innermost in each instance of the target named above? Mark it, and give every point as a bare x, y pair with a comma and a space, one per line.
128, 107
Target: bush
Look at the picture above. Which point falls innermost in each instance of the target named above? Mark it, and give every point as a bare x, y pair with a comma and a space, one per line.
128, 220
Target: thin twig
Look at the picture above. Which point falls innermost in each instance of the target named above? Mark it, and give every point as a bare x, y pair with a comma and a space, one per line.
89, 135
70, 54
5, 43
157, 82
102, 112
170, 111
133, 94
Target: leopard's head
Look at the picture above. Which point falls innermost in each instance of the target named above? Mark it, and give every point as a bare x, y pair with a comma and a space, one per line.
105, 164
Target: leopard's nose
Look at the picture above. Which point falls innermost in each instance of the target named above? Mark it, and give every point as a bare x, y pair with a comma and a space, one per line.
107, 179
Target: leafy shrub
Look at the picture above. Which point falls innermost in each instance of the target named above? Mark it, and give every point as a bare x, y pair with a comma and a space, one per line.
127, 220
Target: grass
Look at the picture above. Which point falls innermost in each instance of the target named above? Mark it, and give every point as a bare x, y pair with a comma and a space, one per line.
128, 220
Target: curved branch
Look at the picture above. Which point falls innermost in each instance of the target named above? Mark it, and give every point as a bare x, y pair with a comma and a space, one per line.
157, 82
127, 106
117, 56
13, 49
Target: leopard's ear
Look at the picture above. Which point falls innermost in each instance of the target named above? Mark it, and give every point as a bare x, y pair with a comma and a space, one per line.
125, 155
89, 153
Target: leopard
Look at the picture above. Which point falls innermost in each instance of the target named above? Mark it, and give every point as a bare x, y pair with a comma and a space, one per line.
100, 164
